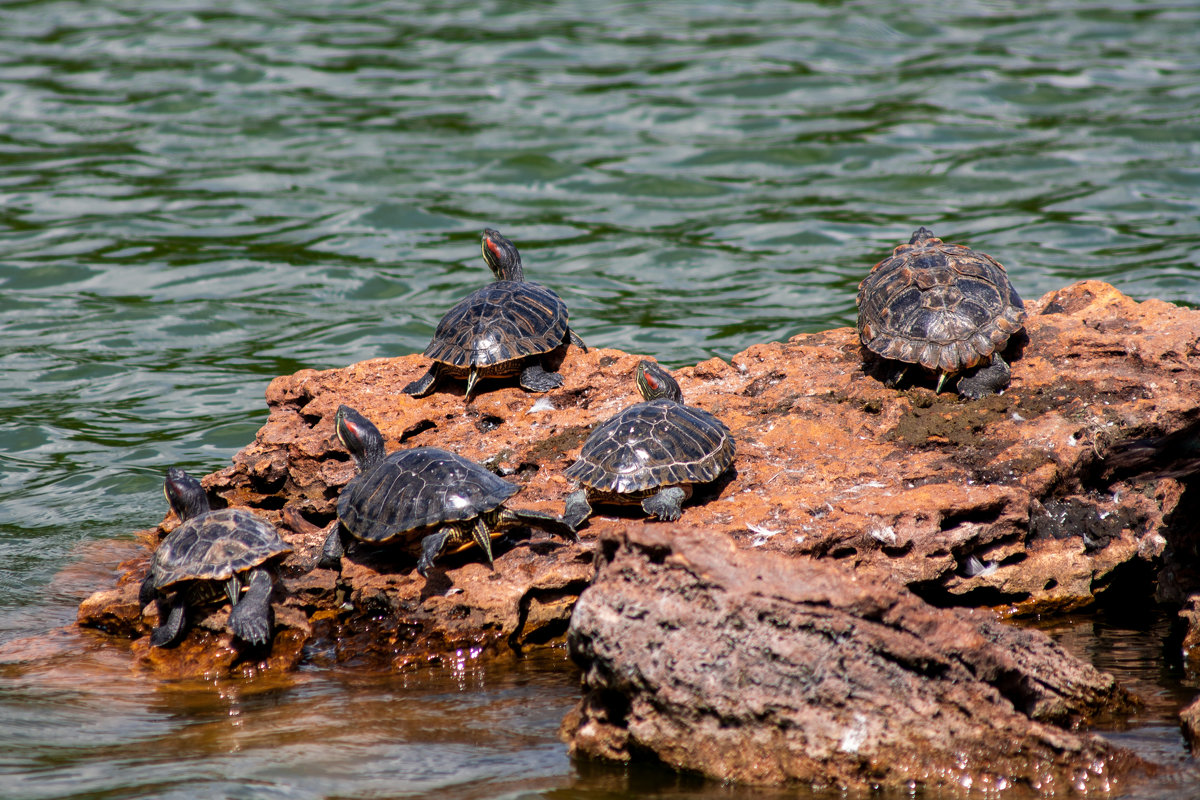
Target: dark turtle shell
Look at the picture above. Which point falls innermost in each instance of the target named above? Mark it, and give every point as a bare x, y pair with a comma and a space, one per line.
418, 488
503, 322
214, 546
939, 305
654, 444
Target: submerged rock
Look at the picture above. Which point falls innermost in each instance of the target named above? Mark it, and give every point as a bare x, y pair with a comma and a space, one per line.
998, 502
753, 668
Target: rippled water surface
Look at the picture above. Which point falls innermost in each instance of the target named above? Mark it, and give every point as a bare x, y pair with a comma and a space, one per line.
197, 196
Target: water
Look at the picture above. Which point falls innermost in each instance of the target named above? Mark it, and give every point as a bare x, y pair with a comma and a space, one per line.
197, 196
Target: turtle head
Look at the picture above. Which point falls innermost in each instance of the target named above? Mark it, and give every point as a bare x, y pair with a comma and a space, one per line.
360, 436
654, 382
185, 494
502, 256
922, 235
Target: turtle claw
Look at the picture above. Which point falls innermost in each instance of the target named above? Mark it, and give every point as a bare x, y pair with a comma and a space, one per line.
666, 505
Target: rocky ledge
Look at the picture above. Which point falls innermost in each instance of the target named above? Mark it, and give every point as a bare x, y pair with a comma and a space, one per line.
751, 668
1001, 502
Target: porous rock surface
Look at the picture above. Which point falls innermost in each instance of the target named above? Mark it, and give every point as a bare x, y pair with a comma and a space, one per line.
1001, 502
751, 668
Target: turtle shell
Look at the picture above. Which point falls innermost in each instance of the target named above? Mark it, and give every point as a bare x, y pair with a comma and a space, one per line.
943, 306
651, 445
214, 546
503, 321
418, 488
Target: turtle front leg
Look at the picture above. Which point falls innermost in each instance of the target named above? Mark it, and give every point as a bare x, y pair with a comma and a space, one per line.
170, 621
535, 379
575, 340
987, 380
250, 620
576, 509
667, 504
424, 384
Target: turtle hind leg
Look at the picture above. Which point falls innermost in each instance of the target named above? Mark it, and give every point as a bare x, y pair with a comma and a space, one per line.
250, 619
536, 379
539, 519
986, 380
170, 622
424, 384
576, 509
667, 504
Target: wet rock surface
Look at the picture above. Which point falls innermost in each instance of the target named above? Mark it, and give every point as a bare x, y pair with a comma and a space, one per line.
755, 669
1000, 502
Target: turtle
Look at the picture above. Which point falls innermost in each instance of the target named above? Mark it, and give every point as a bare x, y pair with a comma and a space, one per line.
425, 498
653, 453
511, 326
944, 307
228, 546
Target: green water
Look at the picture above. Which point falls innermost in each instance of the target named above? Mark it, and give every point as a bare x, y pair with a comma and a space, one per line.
197, 196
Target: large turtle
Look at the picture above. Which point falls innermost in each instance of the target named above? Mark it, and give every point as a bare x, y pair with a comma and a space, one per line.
511, 326
944, 307
210, 548
424, 498
652, 453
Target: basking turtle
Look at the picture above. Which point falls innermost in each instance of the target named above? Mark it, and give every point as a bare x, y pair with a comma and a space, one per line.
228, 546
652, 453
944, 307
511, 326
425, 498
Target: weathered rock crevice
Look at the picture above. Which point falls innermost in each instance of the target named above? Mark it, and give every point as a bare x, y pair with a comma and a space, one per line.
780, 671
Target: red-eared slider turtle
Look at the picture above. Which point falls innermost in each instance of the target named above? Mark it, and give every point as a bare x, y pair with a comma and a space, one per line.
511, 326
210, 548
944, 307
652, 453
426, 499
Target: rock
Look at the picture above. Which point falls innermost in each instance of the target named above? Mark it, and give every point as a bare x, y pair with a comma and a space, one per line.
755, 668
999, 502
1189, 723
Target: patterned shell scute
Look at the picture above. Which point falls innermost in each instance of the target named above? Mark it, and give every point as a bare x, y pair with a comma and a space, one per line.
503, 321
652, 444
939, 305
214, 546
417, 488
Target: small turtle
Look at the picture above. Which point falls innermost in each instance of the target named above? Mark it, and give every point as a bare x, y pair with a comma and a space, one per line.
426, 498
511, 326
944, 307
652, 453
229, 546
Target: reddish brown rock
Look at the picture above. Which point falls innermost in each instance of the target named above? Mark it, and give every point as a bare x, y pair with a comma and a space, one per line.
1189, 723
752, 668
1001, 501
